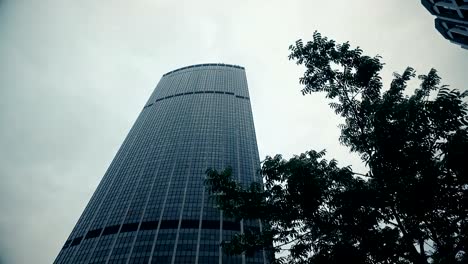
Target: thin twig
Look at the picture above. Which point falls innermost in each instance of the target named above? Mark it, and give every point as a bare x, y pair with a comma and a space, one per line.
297, 238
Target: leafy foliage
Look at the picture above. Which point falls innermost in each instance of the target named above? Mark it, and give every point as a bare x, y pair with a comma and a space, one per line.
411, 205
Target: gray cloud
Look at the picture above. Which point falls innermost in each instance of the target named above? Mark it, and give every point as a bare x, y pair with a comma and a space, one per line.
74, 76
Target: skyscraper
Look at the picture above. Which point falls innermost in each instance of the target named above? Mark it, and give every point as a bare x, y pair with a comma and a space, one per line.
151, 205
451, 20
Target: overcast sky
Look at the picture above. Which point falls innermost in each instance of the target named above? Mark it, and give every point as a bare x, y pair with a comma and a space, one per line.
74, 75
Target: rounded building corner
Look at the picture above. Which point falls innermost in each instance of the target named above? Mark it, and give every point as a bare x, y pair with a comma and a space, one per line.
205, 65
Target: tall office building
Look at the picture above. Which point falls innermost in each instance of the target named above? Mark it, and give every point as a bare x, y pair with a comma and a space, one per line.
451, 19
151, 205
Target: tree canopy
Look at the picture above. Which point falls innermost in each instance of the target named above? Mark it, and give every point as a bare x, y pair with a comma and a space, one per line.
410, 206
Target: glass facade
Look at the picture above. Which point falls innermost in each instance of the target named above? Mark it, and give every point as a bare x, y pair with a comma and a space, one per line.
151, 205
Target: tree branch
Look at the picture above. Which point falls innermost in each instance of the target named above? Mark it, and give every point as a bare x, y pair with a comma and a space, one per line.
409, 241
356, 115
363, 175
289, 242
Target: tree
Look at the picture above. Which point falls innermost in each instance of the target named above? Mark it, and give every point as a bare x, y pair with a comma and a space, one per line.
411, 204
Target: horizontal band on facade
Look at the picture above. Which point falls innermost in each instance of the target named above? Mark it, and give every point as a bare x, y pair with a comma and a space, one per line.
153, 225
205, 65
197, 92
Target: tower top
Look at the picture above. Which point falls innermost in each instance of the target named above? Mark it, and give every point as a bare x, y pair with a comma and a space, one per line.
203, 65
